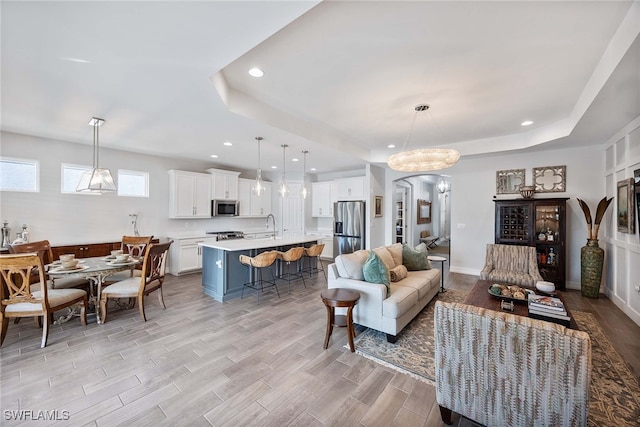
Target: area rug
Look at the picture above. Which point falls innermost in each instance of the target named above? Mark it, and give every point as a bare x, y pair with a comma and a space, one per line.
614, 393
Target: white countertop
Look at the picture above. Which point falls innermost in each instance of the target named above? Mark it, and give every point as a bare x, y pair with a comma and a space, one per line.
248, 244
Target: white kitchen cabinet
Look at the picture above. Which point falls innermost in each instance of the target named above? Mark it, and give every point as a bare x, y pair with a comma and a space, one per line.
350, 188
327, 251
185, 255
321, 199
251, 204
189, 194
225, 184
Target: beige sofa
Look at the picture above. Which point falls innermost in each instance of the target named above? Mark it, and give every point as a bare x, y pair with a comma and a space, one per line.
374, 309
500, 369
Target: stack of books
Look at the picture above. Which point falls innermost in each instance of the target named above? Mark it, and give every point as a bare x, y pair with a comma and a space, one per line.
548, 308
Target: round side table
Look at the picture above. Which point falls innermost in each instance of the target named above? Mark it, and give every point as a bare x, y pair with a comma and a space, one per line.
339, 297
441, 260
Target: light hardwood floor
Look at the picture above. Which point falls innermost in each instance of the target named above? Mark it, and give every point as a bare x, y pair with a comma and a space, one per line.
200, 362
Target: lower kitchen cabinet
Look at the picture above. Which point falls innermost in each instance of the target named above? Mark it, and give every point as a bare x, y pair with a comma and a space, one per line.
185, 255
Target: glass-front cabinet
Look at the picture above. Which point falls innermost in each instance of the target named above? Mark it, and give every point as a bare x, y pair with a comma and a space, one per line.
540, 223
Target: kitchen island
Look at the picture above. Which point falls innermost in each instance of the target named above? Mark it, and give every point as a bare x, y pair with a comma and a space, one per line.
223, 276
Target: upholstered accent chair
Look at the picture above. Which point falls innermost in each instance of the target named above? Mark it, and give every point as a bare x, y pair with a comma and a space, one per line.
511, 263
501, 369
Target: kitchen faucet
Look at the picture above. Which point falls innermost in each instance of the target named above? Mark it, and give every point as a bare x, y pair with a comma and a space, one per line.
274, 224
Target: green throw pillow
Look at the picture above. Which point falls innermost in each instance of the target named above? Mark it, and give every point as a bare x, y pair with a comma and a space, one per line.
415, 258
375, 271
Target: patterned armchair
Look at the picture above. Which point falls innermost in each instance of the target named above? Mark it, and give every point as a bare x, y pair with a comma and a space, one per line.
501, 369
515, 264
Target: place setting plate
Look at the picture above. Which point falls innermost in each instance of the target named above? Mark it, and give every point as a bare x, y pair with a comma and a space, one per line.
61, 269
115, 263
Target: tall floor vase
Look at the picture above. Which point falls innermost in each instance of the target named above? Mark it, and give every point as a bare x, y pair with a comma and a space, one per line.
591, 261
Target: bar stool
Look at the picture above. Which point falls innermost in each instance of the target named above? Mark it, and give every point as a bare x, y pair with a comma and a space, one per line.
255, 265
293, 255
311, 253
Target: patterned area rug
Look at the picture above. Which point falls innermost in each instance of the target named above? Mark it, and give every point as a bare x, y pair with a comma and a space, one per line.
615, 392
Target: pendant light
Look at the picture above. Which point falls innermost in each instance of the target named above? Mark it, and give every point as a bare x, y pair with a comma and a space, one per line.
423, 159
258, 186
283, 190
304, 191
97, 180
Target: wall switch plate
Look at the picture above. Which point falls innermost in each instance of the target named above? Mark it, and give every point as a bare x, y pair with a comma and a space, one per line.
637, 288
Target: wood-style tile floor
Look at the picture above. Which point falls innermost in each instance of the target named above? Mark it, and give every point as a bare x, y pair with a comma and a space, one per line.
201, 362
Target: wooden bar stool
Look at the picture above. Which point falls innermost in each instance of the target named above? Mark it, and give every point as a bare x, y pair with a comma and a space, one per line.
339, 297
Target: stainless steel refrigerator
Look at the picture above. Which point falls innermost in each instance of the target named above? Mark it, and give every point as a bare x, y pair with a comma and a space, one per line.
348, 227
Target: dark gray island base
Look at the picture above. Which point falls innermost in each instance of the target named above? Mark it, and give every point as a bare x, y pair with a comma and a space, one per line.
223, 276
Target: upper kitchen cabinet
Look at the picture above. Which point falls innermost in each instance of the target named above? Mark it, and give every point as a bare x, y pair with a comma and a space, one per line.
350, 188
252, 204
189, 194
225, 184
321, 199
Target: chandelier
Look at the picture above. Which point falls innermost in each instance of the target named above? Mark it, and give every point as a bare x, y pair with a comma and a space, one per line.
96, 180
258, 186
422, 159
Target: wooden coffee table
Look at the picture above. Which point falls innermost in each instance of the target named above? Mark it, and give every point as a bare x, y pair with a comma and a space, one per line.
480, 297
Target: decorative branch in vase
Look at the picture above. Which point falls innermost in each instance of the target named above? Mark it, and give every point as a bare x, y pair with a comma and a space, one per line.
592, 255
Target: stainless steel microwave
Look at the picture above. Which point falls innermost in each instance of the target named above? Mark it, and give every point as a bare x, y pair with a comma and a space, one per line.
225, 208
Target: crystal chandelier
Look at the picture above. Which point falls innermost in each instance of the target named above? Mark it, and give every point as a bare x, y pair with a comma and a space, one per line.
283, 189
304, 191
97, 180
422, 159
258, 186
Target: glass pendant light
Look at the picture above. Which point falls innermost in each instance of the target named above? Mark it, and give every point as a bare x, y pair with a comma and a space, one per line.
304, 191
97, 180
283, 189
258, 186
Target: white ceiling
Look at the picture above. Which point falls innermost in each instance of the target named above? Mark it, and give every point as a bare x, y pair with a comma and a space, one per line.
341, 78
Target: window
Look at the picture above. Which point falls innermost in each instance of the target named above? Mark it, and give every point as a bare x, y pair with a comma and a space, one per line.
133, 183
71, 177
19, 175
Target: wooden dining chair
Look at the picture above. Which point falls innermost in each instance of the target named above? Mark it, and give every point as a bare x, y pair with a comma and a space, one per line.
18, 300
152, 278
43, 249
135, 247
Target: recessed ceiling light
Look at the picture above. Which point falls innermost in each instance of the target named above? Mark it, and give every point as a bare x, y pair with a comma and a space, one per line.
391, 146
256, 72
228, 144
312, 169
274, 167
215, 156
78, 60
295, 160
527, 123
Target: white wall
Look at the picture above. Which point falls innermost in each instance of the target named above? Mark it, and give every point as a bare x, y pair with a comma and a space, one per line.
622, 250
81, 218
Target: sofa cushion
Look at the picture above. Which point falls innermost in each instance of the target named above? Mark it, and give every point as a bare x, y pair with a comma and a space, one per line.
396, 253
350, 265
422, 281
398, 273
385, 256
400, 301
375, 271
415, 258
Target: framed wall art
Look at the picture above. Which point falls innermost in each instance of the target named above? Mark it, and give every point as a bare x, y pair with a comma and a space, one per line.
626, 206
424, 212
377, 206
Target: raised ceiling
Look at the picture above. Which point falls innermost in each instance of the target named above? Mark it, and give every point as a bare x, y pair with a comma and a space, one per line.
341, 78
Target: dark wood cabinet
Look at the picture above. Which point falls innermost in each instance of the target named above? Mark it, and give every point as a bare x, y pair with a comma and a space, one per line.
88, 250
540, 223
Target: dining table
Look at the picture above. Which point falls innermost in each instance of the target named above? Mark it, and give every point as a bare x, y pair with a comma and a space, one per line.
95, 270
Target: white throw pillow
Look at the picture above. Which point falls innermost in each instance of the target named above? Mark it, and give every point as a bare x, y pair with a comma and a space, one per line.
385, 256
350, 265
